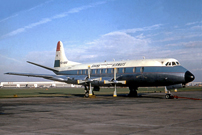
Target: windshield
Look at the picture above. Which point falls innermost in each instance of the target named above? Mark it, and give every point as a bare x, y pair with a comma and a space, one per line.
172, 63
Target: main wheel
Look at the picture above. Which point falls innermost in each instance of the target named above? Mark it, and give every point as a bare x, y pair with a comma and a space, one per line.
133, 91
167, 96
87, 94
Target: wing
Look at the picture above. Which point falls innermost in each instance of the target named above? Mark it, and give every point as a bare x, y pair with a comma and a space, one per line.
61, 78
72, 79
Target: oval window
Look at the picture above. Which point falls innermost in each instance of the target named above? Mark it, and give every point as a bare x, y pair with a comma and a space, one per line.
142, 69
134, 70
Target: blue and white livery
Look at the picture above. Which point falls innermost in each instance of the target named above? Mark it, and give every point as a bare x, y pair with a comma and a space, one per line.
131, 73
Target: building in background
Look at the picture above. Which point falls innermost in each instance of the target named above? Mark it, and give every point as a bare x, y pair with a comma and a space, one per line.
36, 84
195, 84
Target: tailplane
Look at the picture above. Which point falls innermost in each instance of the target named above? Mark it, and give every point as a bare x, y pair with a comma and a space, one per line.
60, 57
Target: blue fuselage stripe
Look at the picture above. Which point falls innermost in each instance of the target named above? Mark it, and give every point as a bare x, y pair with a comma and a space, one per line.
126, 70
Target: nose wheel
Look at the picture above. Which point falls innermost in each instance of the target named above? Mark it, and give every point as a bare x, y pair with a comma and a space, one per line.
168, 96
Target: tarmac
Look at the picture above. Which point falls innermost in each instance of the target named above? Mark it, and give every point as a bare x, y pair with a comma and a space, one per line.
148, 114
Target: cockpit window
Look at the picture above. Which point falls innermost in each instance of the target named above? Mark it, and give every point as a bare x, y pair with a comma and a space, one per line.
168, 64
173, 63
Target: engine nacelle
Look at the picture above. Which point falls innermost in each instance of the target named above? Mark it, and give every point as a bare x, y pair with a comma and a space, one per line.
176, 86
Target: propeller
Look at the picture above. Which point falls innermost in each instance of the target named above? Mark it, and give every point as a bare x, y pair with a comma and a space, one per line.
115, 82
115, 93
90, 88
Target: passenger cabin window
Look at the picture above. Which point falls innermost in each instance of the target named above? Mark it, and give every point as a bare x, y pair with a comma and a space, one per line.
124, 70
106, 71
112, 70
142, 69
101, 70
95, 71
134, 70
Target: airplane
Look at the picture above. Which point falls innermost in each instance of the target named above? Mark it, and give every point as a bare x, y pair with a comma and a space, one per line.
131, 73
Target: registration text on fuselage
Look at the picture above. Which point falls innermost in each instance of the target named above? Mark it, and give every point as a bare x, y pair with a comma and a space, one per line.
108, 65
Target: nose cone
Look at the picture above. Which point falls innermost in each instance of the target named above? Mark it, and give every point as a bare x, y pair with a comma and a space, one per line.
189, 77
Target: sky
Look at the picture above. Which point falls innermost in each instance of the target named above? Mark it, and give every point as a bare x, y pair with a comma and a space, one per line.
98, 30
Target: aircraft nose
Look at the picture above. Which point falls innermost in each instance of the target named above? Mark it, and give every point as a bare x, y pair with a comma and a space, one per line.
189, 77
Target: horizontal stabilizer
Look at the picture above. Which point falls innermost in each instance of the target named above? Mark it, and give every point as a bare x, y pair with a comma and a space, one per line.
52, 69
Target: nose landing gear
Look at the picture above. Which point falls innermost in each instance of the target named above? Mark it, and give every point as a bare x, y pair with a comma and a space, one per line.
169, 95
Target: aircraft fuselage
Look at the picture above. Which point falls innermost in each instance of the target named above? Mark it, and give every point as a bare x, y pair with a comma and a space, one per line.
138, 76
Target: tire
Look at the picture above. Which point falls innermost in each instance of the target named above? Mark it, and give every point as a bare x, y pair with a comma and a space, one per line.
87, 94
167, 96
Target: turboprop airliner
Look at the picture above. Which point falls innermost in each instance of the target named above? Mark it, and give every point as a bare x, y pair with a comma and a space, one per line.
131, 73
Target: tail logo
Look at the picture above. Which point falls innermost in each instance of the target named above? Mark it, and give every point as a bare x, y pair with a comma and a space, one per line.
58, 46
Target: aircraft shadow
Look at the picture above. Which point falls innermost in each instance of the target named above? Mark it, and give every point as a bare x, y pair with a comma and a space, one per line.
140, 95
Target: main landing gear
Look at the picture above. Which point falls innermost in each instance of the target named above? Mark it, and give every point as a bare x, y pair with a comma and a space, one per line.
86, 95
86, 92
133, 92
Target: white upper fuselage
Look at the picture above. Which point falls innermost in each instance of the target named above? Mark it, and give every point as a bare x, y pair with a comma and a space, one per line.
122, 64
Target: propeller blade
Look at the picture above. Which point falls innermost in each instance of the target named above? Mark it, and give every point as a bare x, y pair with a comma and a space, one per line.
80, 81
114, 73
115, 93
166, 91
114, 82
90, 89
89, 80
122, 82
88, 72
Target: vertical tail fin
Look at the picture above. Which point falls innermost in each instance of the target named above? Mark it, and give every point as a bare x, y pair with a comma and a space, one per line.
60, 57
